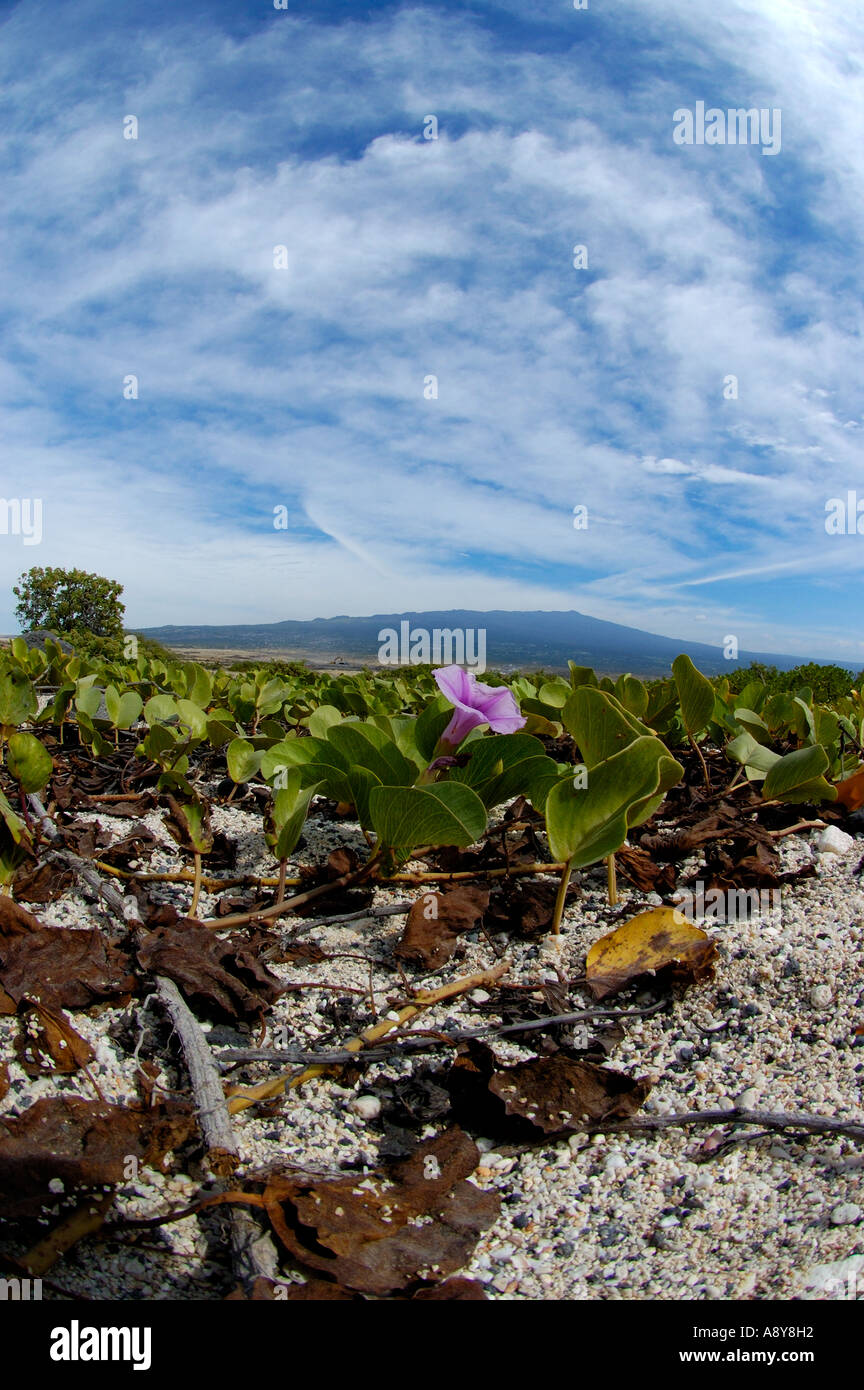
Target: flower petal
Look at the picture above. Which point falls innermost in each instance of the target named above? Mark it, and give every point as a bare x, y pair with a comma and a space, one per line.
456, 684
460, 726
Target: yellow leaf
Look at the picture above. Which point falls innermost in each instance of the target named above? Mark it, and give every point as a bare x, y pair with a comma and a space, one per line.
650, 942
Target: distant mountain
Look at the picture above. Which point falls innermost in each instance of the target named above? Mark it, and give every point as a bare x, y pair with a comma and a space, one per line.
513, 641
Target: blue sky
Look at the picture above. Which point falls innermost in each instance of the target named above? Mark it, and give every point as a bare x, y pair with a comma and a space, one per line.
408, 258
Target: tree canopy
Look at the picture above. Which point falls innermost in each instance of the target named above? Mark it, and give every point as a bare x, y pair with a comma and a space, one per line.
66, 601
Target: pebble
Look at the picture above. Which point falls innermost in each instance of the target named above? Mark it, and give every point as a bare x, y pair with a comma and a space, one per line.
840, 1278
832, 840
367, 1107
748, 1100
846, 1214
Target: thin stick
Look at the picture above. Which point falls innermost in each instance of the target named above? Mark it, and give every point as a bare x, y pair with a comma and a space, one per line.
452, 877
279, 909
413, 1042
792, 829
254, 1255
811, 1124
242, 1098
223, 1154
210, 885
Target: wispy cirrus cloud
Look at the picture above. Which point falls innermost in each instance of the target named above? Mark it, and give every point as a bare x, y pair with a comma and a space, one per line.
408, 259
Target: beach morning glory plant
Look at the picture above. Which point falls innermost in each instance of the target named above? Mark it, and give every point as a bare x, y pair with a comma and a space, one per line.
475, 704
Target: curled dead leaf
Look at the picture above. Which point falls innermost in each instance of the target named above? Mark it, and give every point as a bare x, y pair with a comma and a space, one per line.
414, 1219
16, 920
557, 1094
226, 978
47, 1042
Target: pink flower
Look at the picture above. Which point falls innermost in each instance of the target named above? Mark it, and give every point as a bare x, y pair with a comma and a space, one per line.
475, 704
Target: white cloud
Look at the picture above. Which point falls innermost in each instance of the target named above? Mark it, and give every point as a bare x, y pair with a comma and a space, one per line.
408, 258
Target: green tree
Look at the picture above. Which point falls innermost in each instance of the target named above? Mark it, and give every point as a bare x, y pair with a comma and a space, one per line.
66, 601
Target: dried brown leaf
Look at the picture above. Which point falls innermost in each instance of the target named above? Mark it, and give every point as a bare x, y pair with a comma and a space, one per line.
435, 922
375, 1229
84, 1143
47, 1042
43, 884
559, 1094
64, 967
16, 920
223, 976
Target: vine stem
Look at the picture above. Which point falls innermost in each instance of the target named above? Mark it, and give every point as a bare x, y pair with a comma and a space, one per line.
560, 897
611, 880
214, 885
289, 904
196, 889
698, 751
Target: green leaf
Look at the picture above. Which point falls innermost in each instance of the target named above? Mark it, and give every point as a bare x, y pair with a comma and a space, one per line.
757, 759
243, 760
199, 683
29, 763
430, 725
291, 752
505, 765
360, 783
632, 695
798, 777
219, 733
695, 693
270, 697
752, 696
555, 693
124, 709
322, 719
754, 724
290, 808
159, 709
807, 715
539, 724
444, 813
193, 717
18, 702
362, 745
581, 675
88, 700
13, 823
599, 724
588, 823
